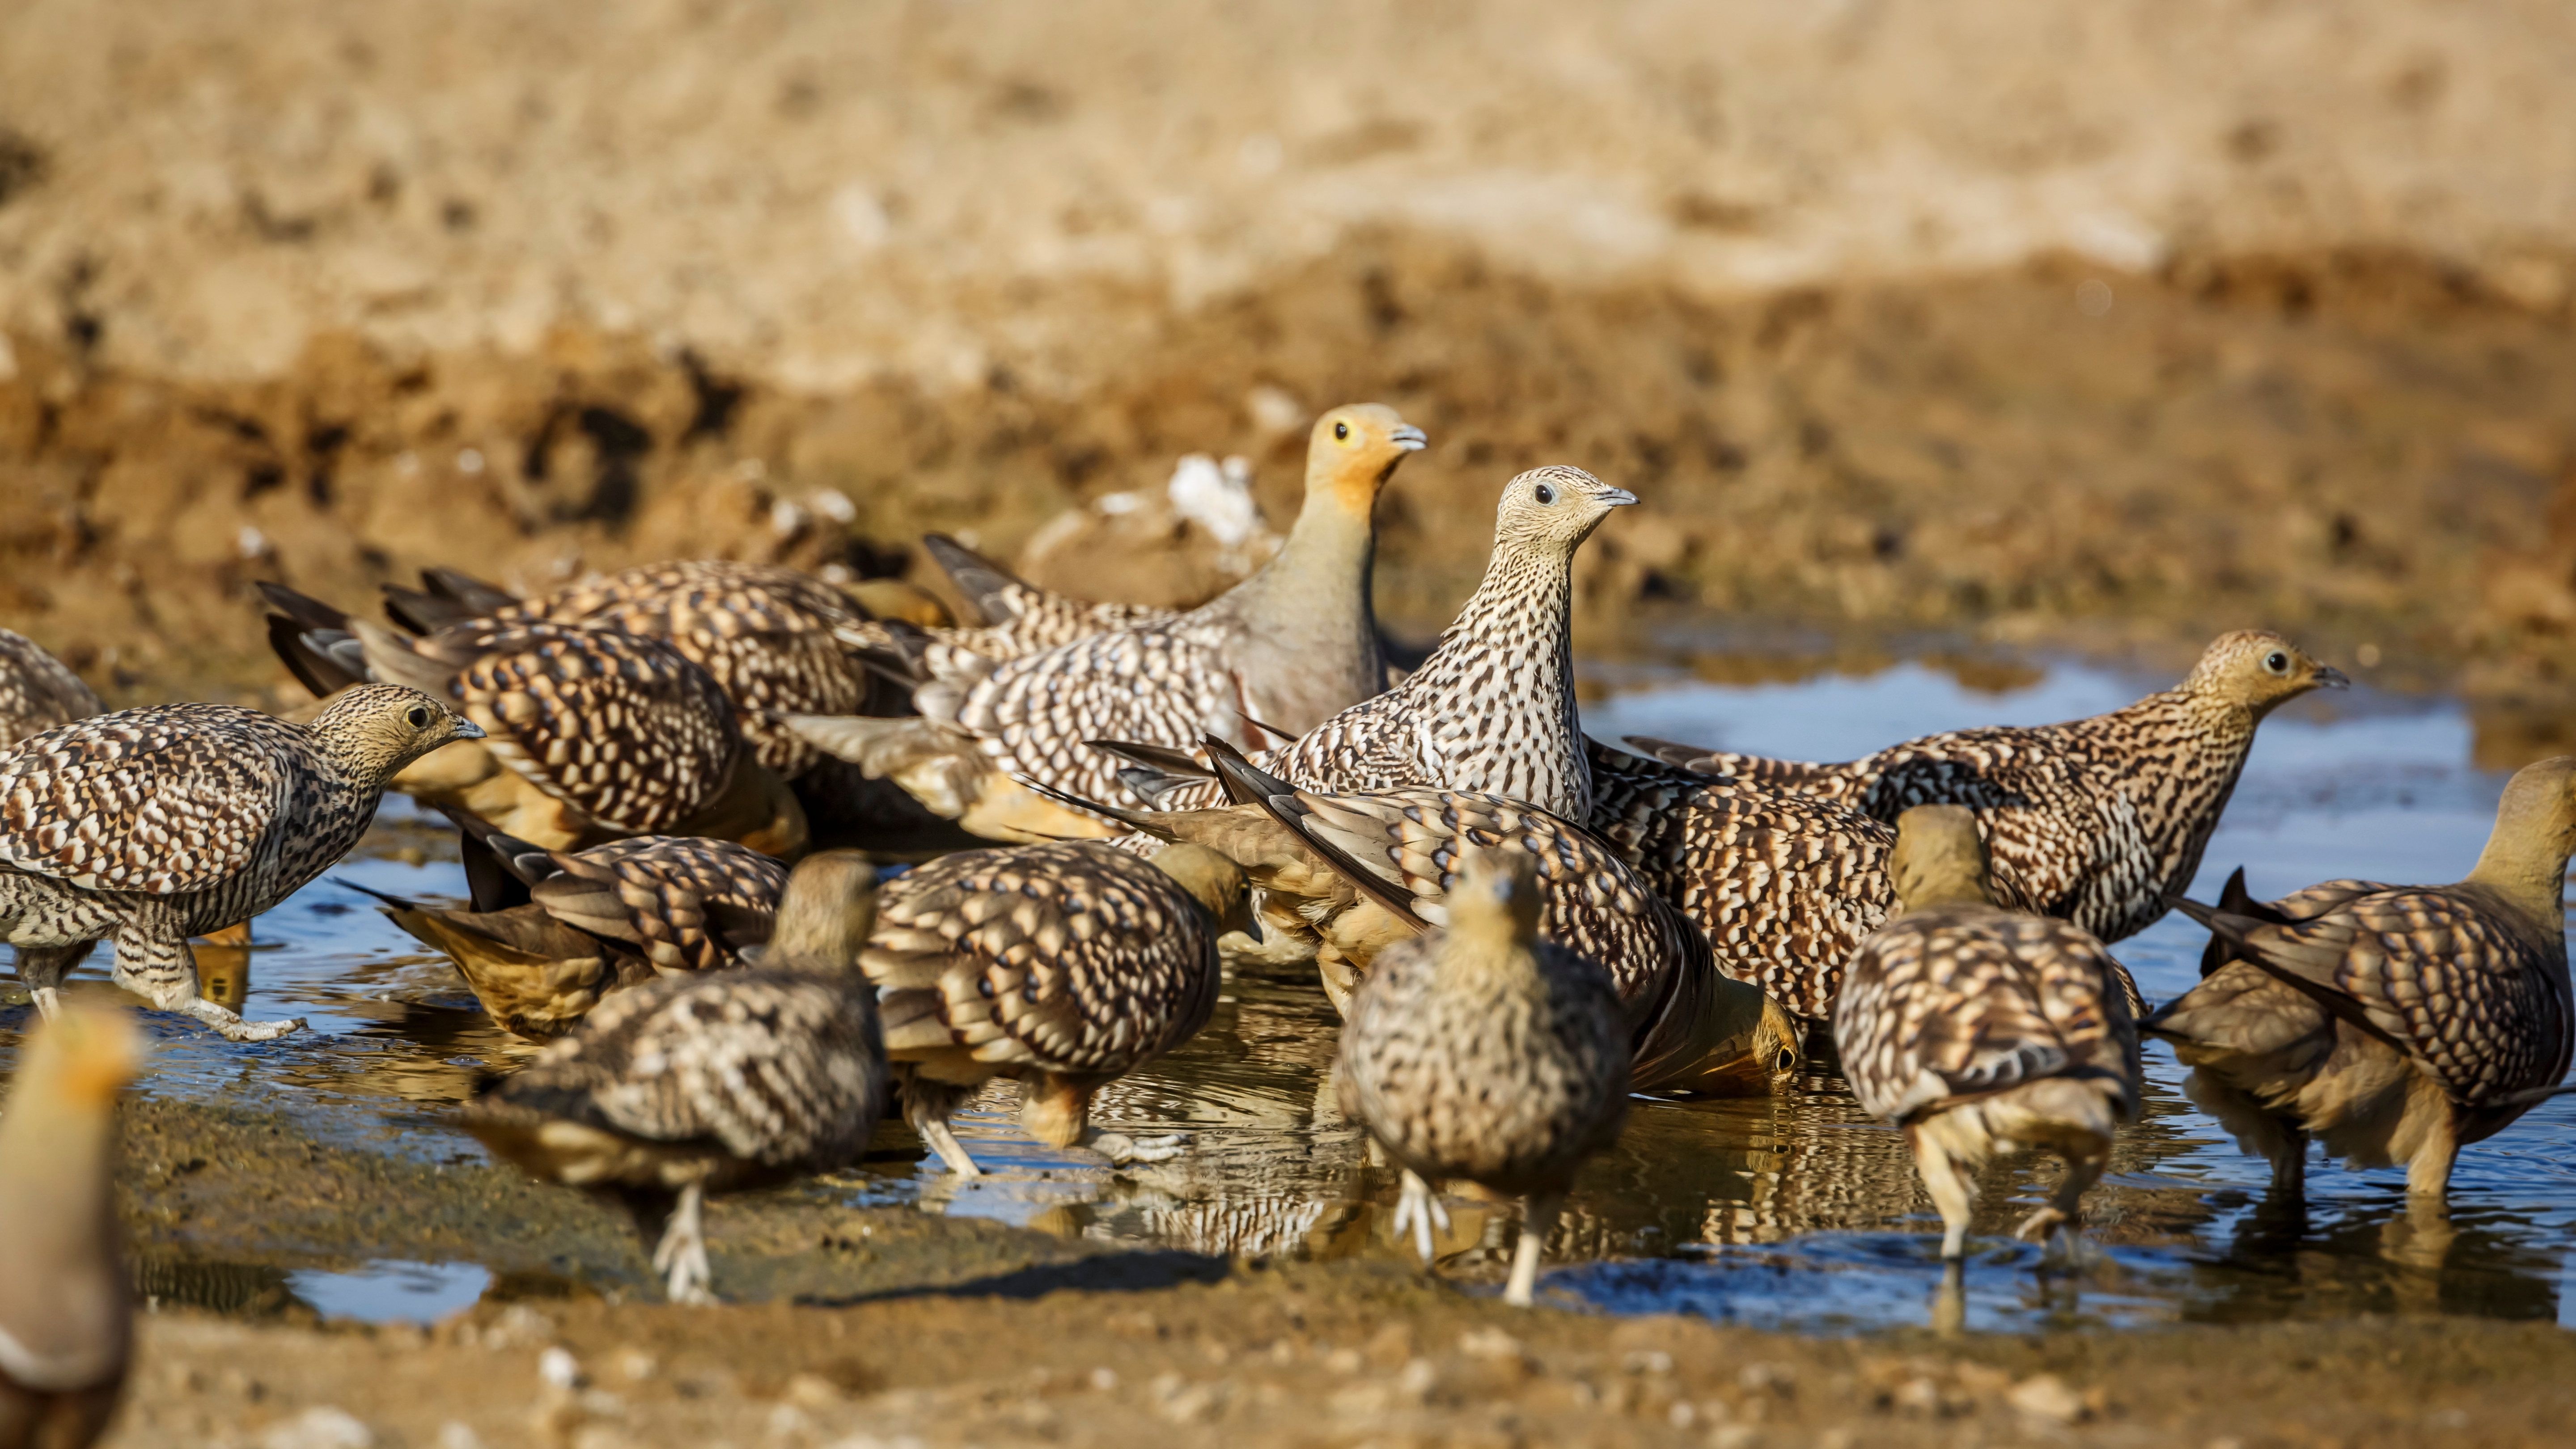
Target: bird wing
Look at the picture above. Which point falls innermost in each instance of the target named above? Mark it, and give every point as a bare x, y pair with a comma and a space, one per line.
1825, 779
620, 727
692, 904
1155, 686
1022, 618
37, 691
2435, 972
1073, 958
163, 800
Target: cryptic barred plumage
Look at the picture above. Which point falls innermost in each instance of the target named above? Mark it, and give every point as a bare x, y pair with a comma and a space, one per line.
1973, 1027
2095, 821
1492, 710
36, 691
1018, 616
774, 640
551, 932
149, 826
1480, 1051
622, 732
710, 1084
1065, 965
2394, 1023
1360, 872
1288, 647
66, 1302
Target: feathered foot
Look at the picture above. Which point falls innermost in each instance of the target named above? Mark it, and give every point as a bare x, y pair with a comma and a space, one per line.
1280, 949
682, 1253
1537, 1219
1419, 1208
1950, 1300
233, 1027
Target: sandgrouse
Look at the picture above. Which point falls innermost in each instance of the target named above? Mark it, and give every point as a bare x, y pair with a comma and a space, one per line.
149, 826
36, 691
710, 1083
2394, 1023
2095, 821
1480, 1051
1972, 1027
1284, 649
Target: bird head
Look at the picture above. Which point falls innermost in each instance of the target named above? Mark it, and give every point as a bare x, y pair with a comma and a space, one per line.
2535, 834
1496, 896
1354, 450
84, 1056
1551, 510
826, 913
1215, 882
380, 728
2259, 670
1940, 859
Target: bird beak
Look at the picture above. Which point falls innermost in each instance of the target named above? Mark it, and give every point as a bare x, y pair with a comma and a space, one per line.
1615, 497
2333, 679
1409, 438
467, 729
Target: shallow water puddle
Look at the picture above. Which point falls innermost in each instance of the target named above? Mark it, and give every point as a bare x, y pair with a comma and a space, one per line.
1793, 1211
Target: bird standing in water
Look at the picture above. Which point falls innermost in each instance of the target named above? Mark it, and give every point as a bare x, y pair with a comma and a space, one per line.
1480, 1051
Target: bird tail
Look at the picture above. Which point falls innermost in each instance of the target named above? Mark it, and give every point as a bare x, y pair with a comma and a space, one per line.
2241, 935
986, 585
312, 640
1719, 762
499, 866
1248, 783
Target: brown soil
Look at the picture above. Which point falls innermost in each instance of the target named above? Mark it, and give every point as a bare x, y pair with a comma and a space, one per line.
1338, 1355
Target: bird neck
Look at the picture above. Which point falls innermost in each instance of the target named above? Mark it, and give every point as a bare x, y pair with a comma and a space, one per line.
1506, 669
1961, 884
1313, 599
820, 935
1484, 955
2529, 872
55, 1174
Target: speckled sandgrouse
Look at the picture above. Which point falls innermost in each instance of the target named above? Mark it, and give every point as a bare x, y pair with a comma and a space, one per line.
1492, 710
1018, 616
1358, 873
774, 640
709, 1084
612, 733
1066, 965
2095, 821
66, 1304
149, 826
1286, 648
37, 692
551, 932
1480, 1051
1974, 1028
2393, 1023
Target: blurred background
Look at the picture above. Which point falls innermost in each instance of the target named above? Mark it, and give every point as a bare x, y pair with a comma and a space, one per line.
1988, 323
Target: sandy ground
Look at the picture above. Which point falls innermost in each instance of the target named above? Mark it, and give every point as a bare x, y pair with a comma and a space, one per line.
2112, 326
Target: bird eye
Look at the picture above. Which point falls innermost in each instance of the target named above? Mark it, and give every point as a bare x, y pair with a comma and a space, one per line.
1543, 493
1788, 1060
419, 717
1341, 430
2277, 662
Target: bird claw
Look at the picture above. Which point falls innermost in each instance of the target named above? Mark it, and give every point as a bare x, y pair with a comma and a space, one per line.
246, 1031
1282, 950
1122, 1149
2038, 1223
1419, 1208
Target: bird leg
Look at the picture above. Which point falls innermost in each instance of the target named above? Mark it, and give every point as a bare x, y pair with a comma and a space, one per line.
1419, 1208
2063, 1218
682, 1253
1056, 1110
2428, 1171
926, 1106
43, 969
2290, 1163
1538, 1216
153, 961
1951, 1191
1950, 1300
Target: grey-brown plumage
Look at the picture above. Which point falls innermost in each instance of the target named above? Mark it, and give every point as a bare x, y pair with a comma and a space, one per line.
710, 1084
1289, 647
37, 692
2095, 821
1481, 1051
66, 1304
1065, 965
1357, 873
623, 732
149, 826
773, 640
551, 932
2394, 1023
1973, 1027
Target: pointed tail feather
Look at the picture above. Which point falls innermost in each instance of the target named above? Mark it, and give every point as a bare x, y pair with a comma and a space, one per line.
986, 584
2239, 933
1245, 782
1250, 784
312, 666
478, 598
423, 613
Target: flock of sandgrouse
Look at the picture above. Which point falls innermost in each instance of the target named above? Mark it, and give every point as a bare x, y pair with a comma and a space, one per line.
1520, 926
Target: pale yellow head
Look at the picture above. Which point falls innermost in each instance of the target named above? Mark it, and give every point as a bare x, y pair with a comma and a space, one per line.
826, 914
1353, 451
1940, 859
1213, 881
2535, 833
2258, 670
